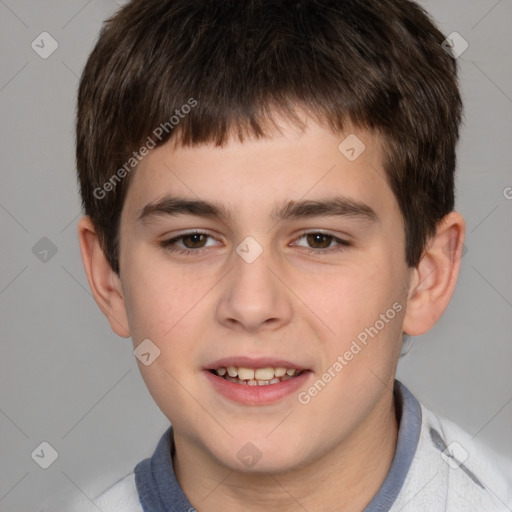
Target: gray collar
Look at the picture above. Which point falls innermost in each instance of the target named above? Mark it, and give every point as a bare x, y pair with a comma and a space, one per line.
159, 490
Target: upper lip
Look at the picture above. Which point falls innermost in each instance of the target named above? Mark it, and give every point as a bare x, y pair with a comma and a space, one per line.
256, 362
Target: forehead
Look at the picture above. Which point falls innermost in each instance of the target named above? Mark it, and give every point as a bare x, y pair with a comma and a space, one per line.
271, 174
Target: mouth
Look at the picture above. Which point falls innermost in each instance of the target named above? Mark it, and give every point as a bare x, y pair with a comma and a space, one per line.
256, 381
264, 376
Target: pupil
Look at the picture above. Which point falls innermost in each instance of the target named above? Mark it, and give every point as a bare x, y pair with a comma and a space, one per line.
196, 239
314, 239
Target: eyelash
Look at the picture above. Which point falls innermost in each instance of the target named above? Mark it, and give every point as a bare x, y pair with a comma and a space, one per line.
167, 244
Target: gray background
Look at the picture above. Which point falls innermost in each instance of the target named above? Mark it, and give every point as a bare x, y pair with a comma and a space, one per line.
68, 380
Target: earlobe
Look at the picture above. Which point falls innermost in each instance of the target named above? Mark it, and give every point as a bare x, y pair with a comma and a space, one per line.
433, 280
103, 281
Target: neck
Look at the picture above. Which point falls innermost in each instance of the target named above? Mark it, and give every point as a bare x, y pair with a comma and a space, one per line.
345, 479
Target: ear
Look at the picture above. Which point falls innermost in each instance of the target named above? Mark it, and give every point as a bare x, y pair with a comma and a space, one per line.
433, 280
104, 282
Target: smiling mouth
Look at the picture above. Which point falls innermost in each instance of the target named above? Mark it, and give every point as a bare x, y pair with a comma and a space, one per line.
256, 376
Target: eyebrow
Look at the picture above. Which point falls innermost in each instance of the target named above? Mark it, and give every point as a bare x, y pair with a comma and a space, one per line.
336, 206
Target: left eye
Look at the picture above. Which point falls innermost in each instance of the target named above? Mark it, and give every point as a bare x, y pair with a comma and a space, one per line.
322, 239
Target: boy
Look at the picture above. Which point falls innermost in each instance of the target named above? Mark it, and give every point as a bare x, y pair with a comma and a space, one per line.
268, 189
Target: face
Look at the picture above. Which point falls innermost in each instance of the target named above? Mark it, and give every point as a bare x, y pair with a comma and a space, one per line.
295, 266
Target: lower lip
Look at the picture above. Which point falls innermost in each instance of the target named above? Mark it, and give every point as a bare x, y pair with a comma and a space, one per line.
256, 395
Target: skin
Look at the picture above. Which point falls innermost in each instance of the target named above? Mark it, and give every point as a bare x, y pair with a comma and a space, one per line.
290, 303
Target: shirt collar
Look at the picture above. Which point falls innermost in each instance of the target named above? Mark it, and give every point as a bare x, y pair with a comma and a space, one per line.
159, 490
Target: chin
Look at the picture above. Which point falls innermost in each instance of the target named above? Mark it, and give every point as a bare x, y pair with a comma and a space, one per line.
261, 456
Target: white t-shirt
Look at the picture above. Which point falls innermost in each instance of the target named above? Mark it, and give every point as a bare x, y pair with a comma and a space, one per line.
437, 467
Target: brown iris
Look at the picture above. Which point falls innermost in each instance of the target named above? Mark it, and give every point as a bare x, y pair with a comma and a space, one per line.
315, 238
197, 239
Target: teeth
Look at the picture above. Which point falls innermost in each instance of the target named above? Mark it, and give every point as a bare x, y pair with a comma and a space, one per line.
264, 374
258, 377
232, 372
246, 373
279, 371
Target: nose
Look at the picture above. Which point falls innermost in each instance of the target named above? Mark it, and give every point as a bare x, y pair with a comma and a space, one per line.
254, 296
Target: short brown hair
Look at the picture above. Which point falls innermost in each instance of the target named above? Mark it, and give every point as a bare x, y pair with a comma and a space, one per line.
376, 65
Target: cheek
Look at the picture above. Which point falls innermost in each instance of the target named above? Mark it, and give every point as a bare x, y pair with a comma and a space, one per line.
160, 299
363, 304
351, 297
164, 305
